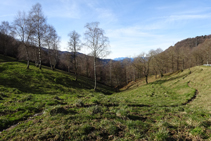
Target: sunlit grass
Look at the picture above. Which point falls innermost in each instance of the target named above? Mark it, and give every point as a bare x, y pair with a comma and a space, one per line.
52, 105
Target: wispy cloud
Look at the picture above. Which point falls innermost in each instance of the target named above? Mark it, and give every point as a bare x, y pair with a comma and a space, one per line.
106, 15
188, 17
8, 15
128, 32
65, 9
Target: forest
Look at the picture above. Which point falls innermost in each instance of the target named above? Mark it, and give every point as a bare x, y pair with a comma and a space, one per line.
30, 38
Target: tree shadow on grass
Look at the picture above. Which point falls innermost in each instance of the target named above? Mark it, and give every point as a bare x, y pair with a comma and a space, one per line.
172, 78
23, 83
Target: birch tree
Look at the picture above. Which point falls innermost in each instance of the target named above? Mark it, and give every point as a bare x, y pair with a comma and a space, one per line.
23, 30
39, 22
97, 42
74, 45
51, 41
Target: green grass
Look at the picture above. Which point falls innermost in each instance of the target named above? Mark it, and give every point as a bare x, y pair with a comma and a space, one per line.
51, 105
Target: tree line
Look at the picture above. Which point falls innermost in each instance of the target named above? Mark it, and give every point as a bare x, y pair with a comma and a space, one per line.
29, 37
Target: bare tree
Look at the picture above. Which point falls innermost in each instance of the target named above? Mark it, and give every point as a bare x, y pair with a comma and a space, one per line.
39, 22
23, 30
206, 47
51, 41
160, 60
97, 42
74, 45
142, 63
5, 29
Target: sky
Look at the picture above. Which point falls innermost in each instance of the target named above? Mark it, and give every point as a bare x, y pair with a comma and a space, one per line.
132, 26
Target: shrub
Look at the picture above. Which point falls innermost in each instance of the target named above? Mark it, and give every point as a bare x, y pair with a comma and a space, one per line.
162, 135
79, 103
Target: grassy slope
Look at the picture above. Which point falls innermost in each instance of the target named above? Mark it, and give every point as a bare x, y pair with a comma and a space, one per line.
70, 110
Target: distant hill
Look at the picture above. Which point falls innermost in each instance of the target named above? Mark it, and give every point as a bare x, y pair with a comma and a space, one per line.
121, 58
192, 42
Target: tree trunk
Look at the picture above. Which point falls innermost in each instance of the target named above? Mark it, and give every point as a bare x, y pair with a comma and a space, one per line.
49, 57
110, 75
40, 58
27, 64
172, 61
183, 64
177, 63
76, 76
27, 57
75, 67
95, 75
155, 74
161, 74
146, 76
40, 61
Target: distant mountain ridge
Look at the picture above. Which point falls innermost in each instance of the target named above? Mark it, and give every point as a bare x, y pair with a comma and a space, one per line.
122, 58
192, 42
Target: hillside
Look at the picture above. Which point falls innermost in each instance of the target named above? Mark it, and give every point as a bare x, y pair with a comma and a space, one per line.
50, 105
192, 42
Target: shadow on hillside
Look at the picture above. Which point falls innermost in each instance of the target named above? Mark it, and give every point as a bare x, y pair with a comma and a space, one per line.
2, 69
23, 83
172, 78
45, 82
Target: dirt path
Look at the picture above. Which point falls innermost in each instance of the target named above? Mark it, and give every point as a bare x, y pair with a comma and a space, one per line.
194, 97
28, 119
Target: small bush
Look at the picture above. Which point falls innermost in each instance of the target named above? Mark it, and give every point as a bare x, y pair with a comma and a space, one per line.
162, 135
79, 103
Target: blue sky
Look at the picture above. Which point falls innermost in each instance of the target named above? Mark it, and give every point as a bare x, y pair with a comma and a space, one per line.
132, 26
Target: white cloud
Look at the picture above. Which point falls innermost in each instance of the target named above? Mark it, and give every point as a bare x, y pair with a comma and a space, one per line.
65, 9
187, 17
8, 15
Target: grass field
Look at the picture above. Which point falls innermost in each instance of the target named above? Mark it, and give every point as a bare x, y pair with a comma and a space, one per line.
50, 105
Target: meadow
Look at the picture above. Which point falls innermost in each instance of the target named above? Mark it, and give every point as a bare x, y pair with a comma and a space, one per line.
50, 105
